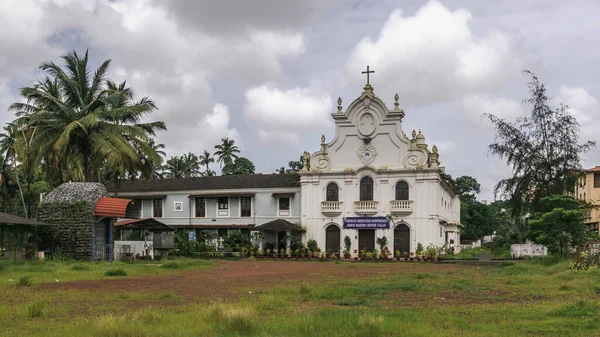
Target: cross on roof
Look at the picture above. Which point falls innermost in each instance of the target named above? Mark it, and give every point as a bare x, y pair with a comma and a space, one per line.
368, 72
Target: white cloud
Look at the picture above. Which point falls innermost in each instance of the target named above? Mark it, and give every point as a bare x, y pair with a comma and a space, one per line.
582, 104
208, 132
475, 105
287, 111
175, 66
278, 137
432, 56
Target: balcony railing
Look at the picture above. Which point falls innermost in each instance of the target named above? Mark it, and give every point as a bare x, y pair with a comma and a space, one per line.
366, 207
331, 208
399, 207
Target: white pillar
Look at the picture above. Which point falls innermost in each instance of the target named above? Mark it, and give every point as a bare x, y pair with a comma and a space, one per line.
289, 239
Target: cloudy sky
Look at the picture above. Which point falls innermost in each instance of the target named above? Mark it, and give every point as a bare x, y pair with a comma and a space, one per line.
267, 73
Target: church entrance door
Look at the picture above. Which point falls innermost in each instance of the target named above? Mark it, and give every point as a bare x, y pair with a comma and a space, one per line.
366, 239
402, 239
332, 239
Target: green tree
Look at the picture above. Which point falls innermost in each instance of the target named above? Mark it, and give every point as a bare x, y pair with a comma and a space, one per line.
241, 166
185, 166
559, 224
542, 148
226, 151
467, 187
82, 122
205, 159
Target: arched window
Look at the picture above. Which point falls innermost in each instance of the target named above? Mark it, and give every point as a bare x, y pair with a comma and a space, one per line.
366, 188
402, 190
332, 192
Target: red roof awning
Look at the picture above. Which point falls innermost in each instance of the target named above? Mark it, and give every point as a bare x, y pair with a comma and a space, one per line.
115, 208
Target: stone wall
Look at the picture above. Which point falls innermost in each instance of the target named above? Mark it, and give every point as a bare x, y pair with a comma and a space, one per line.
72, 228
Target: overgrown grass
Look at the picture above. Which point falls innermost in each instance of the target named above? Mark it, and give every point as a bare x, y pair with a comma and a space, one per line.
65, 271
531, 298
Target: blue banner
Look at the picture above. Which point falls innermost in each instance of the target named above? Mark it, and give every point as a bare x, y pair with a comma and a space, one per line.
192, 235
379, 222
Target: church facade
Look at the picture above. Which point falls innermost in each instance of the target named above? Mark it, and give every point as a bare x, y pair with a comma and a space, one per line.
373, 181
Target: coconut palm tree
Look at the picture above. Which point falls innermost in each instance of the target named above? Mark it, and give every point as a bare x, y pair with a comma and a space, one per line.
175, 167
84, 123
226, 151
192, 165
8, 148
205, 159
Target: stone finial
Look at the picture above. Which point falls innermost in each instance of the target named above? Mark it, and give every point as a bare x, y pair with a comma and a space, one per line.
322, 139
414, 134
396, 104
306, 161
434, 157
323, 146
339, 107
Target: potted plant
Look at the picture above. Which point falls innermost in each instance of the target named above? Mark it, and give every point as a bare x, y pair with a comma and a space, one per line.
382, 242
346, 254
405, 255
412, 256
398, 255
347, 245
375, 254
268, 253
310, 255
296, 253
419, 251
332, 256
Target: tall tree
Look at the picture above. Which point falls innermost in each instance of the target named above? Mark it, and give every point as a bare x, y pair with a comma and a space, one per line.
226, 151
84, 123
241, 166
467, 187
205, 159
542, 148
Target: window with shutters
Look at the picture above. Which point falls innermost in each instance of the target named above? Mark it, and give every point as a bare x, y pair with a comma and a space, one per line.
200, 207
596, 180
157, 208
245, 207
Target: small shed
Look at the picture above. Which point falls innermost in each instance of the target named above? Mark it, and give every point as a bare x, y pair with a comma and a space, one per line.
278, 233
18, 237
80, 218
141, 238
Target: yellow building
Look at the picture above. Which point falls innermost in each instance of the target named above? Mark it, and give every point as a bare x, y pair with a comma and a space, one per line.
588, 189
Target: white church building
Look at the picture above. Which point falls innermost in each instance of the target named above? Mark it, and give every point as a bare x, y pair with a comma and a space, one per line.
372, 180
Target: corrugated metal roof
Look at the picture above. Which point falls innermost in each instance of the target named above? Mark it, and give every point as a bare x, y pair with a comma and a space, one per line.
112, 208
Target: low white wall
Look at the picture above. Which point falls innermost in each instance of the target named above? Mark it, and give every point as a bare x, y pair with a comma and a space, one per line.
139, 247
528, 250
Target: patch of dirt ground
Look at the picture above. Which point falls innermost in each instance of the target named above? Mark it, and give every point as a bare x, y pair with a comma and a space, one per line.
233, 279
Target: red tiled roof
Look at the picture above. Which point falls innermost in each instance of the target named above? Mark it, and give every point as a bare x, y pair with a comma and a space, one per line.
112, 207
594, 169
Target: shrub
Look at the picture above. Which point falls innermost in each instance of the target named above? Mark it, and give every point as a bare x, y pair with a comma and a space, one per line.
80, 267
312, 245
115, 272
25, 281
34, 309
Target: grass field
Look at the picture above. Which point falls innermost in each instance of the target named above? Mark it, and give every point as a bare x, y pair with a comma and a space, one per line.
268, 298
